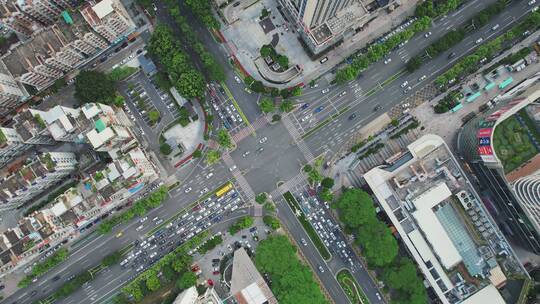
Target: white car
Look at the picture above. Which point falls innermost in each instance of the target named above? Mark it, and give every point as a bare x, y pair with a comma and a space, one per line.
188, 189
154, 7
139, 228
303, 242
209, 175
232, 168
427, 34
203, 191
325, 90
263, 140
479, 40
407, 89
532, 2
423, 77
144, 219
404, 84
534, 9
343, 93
237, 79
387, 61
307, 117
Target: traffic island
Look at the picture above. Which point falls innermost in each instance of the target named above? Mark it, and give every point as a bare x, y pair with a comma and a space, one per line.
351, 287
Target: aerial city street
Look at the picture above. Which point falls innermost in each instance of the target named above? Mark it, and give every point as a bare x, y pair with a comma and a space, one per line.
270, 151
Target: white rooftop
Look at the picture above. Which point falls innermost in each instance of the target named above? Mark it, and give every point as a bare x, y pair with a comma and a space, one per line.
98, 139
432, 228
253, 294
488, 294
103, 8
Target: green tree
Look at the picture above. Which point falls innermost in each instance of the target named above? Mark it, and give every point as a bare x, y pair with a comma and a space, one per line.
394, 122
197, 154
292, 281
242, 223
165, 148
327, 182
261, 198
152, 282
187, 280
314, 177
224, 139
267, 50
271, 222
153, 116
327, 195
168, 273
379, 246
286, 106
93, 86
404, 278
191, 84
355, 208
307, 168
266, 105
212, 157
119, 100
413, 64
283, 61
111, 259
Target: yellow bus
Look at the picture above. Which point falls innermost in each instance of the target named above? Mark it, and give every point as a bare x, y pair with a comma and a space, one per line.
223, 190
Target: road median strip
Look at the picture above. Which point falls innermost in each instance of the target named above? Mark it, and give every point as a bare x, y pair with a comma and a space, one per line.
307, 226
351, 287
325, 122
185, 210
229, 94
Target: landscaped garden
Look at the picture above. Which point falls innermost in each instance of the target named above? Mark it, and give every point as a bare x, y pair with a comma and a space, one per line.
351, 287
512, 144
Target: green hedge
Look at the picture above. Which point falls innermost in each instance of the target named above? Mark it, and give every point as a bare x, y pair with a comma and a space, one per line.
307, 226
469, 64
242, 223
140, 208
42, 267
210, 244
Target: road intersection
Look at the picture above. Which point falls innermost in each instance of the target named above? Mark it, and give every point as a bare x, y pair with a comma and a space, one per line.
291, 143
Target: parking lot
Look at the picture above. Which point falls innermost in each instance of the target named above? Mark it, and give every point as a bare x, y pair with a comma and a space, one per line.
216, 263
142, 102
183, 227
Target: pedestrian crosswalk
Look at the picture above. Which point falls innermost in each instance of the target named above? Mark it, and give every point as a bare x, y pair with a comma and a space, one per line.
293, 131
240, 179
248, 130
288, 185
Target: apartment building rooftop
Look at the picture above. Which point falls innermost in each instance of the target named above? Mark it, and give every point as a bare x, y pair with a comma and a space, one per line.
442, 221
33, 52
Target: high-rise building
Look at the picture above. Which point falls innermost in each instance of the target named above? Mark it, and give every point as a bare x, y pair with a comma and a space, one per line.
58, 42
313, 13
323, 23
26, 132
109, 18
35, 177
27, 16
443, 224
505, 167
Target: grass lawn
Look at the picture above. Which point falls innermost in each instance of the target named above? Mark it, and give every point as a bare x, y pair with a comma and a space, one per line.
351, 287
307, 226
512, 145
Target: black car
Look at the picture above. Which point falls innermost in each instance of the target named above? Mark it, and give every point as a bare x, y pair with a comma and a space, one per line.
56, 278
353, 116
377, 108
451, 55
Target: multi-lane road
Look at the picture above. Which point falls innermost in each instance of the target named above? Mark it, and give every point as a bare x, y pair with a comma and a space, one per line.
285, 151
